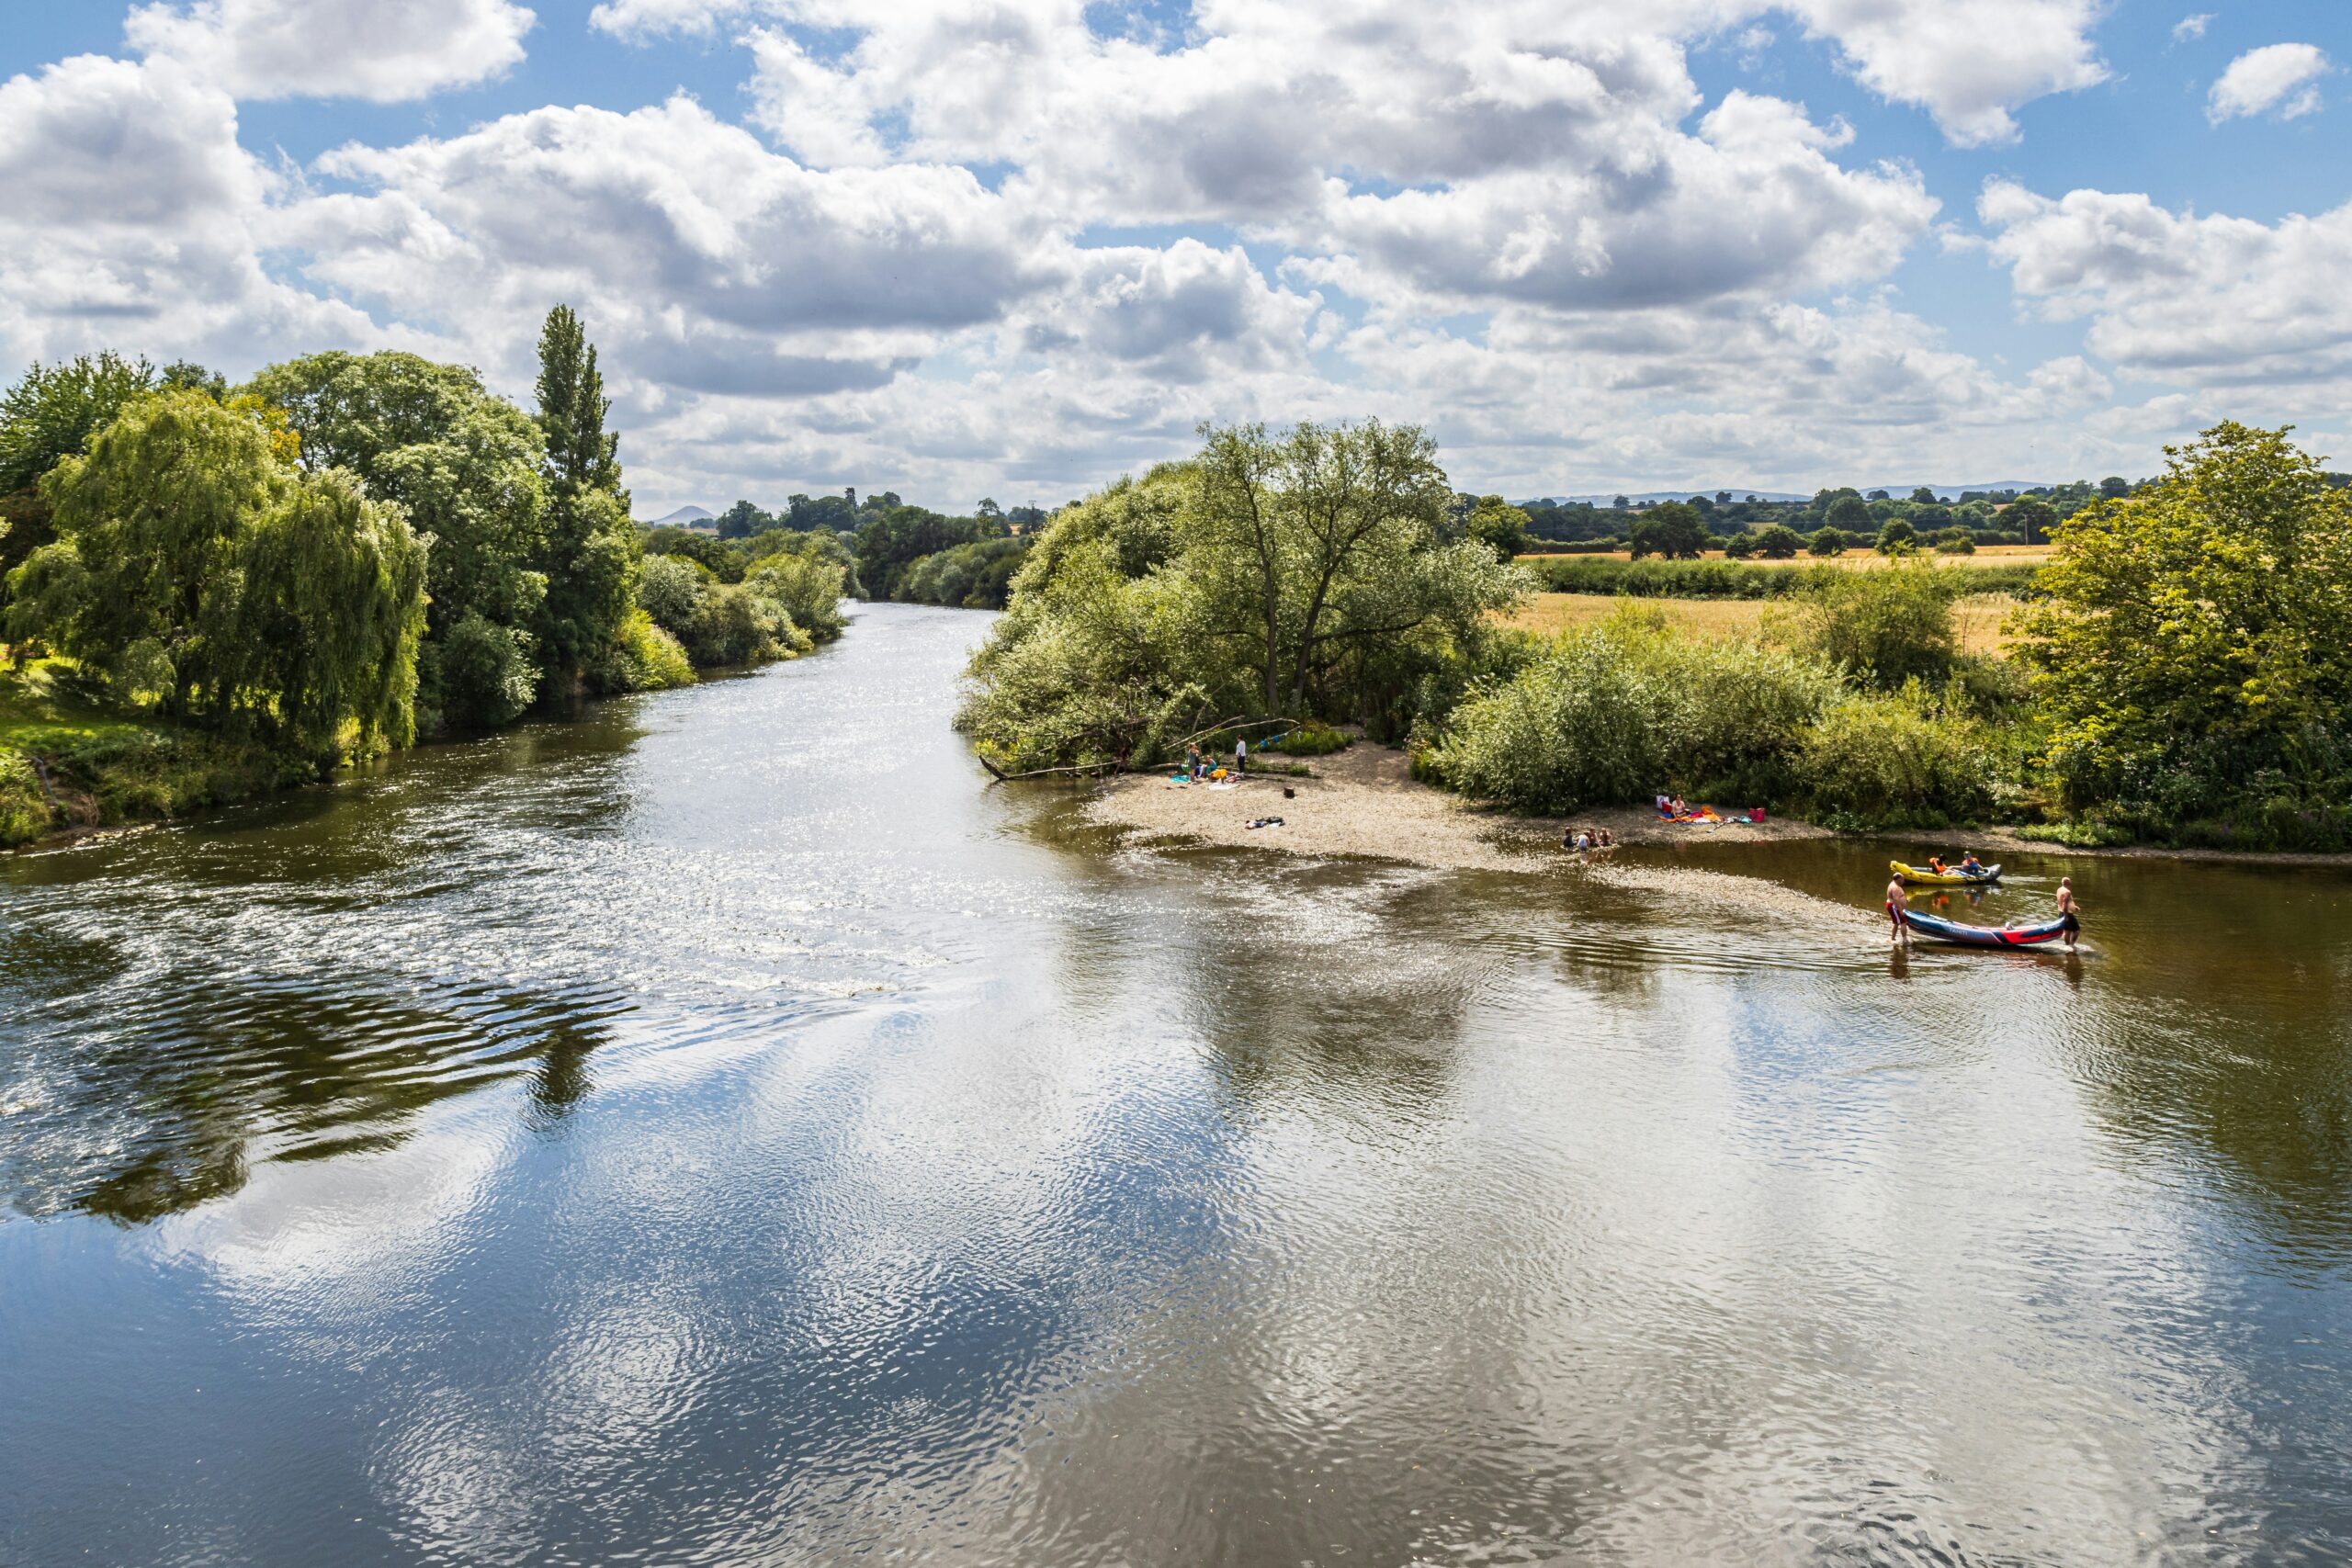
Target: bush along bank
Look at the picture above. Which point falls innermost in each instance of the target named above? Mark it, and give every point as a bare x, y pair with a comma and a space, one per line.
2181, 676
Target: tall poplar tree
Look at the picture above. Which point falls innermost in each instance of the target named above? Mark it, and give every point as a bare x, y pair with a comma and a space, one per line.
591, 553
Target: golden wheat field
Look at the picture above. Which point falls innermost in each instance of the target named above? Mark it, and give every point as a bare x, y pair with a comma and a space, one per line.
1976, 618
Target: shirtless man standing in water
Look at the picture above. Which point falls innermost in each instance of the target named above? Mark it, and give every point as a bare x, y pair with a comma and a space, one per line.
1895, 907
2067, 911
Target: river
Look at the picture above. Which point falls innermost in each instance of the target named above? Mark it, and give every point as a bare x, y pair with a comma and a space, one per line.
722, 1129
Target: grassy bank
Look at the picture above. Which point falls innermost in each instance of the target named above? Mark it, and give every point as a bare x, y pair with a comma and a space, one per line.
67, 765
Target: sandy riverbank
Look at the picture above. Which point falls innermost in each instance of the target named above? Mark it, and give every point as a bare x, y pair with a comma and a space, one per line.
1362, 802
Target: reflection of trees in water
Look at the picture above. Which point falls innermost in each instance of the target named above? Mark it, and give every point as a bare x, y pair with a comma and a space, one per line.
139, 1117
1337, 985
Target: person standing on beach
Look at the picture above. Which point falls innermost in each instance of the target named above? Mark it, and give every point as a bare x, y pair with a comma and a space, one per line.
2068, 917
1240, 758
1894, 906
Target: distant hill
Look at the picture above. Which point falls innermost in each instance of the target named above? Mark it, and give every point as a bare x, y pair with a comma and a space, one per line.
684, 517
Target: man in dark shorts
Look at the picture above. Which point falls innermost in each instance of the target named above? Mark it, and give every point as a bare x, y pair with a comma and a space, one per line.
1895, 905
2068, 917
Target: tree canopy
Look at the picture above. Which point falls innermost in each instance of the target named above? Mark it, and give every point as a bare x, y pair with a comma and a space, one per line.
2192, 646
1309, 573
465, 466
196, 568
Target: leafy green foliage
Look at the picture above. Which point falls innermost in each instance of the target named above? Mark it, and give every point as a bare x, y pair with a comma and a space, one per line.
1498, 525
2031, 520
1778, 542
51, 413
1672, 530
1828, 541
589, 552
464, 466
196, 570
1626, 709
976, 576
891, 541
1886, 627
1850, 513
2193, 652
482, 672
1897, 537
1309, 574
1900, 758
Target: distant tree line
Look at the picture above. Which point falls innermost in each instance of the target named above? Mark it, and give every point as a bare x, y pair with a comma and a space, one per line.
1832, 520
892, 550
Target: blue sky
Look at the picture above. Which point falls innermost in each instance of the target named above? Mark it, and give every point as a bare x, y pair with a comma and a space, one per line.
1017, 247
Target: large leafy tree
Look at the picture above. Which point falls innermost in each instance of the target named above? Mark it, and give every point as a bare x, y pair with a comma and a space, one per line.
2192, 644
51, 413
465, 466
589, 552
2031, 519
331, 611
1302, 575
1305, 544
194, 567
1501, 526
1674, 529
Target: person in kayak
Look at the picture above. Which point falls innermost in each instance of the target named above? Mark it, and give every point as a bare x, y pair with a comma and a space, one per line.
1971, 866
1895, 907
1936, 865
2069, 918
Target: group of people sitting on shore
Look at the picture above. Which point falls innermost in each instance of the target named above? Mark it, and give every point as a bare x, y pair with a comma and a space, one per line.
1200, 766
1585, 838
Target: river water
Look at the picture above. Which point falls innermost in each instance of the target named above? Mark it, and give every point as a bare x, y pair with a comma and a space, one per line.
723, 1131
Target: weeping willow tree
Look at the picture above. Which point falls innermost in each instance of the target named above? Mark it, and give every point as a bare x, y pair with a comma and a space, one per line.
196, 570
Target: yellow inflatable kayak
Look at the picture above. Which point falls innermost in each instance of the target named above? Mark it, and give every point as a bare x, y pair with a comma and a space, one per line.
1920, 873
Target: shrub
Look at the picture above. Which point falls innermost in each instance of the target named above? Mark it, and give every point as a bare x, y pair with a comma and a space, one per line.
1886, 626
1613, 714
1310, 739
1739, 547
478, 674
1778, 542
1828, 541
1897, 759
670, 589
646, 658
1896, 537
24, 806
735, 625
808, 587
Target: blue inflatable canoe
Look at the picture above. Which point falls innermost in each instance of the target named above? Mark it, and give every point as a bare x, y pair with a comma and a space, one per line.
1942, 930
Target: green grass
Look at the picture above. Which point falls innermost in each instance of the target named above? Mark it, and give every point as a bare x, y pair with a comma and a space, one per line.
67, 763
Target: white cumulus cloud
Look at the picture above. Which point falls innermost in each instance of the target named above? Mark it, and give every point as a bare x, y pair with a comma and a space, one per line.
2190, 28
376, 50
2280, 78
2215, 299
